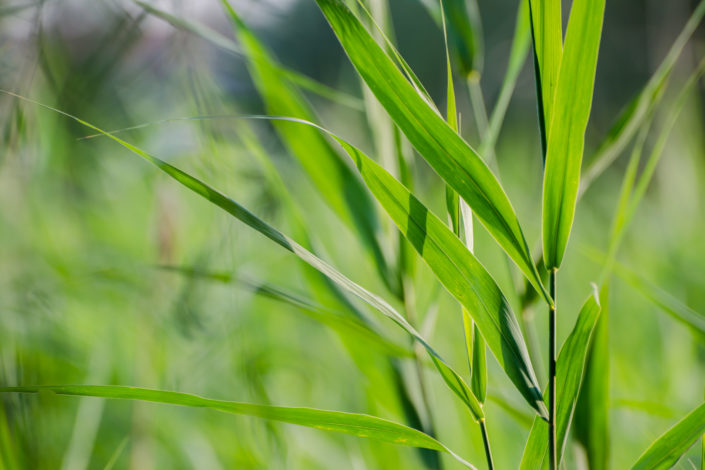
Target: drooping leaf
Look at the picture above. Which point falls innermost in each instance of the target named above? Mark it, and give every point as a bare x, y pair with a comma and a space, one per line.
569, 375
670, 447
458, 270
461, 225
592, 411
452, 158
359, 425
568, 119
450, 377
335, 181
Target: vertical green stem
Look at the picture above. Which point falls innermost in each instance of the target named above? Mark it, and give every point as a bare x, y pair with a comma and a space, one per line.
552, 447
486, 442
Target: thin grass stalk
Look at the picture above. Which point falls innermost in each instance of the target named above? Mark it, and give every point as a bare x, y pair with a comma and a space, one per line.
552, 447
486, 442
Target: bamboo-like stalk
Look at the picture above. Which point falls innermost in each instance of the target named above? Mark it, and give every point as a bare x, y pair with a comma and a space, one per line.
552, 447
486, 442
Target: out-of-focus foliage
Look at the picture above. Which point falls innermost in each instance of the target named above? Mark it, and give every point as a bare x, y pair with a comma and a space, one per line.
113, 274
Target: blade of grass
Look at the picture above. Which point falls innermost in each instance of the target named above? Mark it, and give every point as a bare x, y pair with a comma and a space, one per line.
450, 377
359, 425
592, 411
566, 134
665, 452
569, 370
460, 214
335, 181
452, 158
457, 269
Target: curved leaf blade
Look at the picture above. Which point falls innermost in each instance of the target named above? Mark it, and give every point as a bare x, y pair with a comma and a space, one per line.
670, 447
566, 133
359, 425
334, 179
449, 155
459, 272
450, 377
569, 371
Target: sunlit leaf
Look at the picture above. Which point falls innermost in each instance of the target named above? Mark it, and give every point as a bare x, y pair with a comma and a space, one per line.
568, 119
569, 375
665, 452
359, 425
452, 158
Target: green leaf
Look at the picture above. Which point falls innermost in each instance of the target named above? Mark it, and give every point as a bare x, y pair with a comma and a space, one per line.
640, 107
458, 270
334, 179
546, 30
450, 156
569, 375
359, 425
667, 449
465, 34
566, 133
478, 363
592, 410
450, 377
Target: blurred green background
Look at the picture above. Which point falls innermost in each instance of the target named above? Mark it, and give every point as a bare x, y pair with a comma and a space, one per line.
86, 230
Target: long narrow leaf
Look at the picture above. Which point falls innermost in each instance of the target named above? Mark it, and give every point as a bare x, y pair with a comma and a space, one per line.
592, 411
359, 425
569, 372
458, 270
335, 180
452, 158
566, 133
670, 447
450, 377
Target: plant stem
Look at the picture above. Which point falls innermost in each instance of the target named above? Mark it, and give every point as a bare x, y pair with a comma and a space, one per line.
486, 442
552, 447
